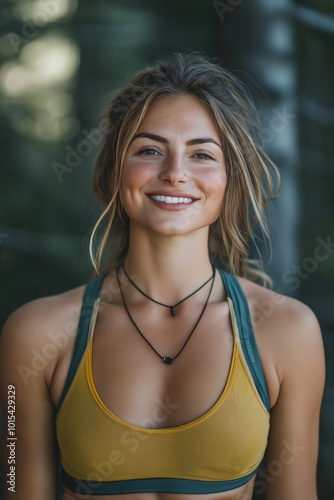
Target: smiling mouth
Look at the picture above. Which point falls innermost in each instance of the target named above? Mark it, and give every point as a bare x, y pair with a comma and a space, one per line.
171, 199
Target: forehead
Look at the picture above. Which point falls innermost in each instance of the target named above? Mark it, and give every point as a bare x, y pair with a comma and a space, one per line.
181, 113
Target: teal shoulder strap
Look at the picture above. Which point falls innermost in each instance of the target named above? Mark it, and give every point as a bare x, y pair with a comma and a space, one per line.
246, 334
92, 292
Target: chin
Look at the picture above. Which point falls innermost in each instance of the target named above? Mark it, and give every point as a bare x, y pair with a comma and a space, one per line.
177, 229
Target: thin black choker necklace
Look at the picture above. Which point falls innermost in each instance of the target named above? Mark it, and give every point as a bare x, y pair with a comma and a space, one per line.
171, 308
166, 359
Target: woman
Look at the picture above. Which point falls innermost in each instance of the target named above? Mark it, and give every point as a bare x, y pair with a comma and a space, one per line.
171, 375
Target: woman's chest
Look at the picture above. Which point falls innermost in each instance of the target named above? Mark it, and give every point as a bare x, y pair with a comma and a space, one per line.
134, 383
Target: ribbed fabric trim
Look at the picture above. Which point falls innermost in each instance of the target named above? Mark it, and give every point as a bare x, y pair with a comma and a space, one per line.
164, 485
153, 485
92, 291
246, 335
245, 328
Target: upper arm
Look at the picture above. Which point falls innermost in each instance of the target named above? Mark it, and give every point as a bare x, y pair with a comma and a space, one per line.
291, 457
33, 452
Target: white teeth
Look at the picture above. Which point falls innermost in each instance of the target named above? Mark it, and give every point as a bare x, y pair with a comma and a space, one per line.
171, 199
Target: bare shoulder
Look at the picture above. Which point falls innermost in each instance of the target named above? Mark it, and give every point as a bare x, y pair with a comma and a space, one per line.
271, 309
290, 346
37, 325
46, 313
33, 341
286, 329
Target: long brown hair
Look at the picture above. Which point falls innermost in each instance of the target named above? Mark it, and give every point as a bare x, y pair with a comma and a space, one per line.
252, 179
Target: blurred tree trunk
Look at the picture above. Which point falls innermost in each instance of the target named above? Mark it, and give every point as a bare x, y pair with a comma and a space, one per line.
257, 38
287, 48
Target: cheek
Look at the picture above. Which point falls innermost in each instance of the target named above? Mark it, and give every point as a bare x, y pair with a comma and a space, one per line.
133, 181
219, 177
126, 190
129, 181
127, 177
135, 176
217, 193
217, 186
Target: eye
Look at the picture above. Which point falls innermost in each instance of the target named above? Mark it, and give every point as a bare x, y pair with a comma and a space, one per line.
148, 151
204, 156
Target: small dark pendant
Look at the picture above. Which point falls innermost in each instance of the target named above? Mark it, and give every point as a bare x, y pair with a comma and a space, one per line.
172, 312
167, 360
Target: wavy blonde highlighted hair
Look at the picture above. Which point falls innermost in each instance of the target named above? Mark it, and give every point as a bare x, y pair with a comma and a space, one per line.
252, 179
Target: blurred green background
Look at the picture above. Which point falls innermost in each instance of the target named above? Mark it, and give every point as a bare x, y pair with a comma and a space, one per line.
60, 62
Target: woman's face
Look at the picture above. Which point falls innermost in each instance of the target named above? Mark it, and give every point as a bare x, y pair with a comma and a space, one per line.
174, 174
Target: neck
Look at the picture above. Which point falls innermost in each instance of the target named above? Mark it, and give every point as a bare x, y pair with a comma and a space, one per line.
168, 268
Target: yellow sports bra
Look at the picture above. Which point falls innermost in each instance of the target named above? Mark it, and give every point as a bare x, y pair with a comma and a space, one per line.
101, 454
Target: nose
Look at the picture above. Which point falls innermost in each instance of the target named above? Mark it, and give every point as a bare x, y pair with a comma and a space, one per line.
174, 170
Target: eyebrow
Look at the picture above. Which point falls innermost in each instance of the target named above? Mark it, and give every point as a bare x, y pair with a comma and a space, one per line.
163, 140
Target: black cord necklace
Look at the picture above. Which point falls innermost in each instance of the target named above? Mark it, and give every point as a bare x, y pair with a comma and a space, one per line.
165, 359
171, 308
